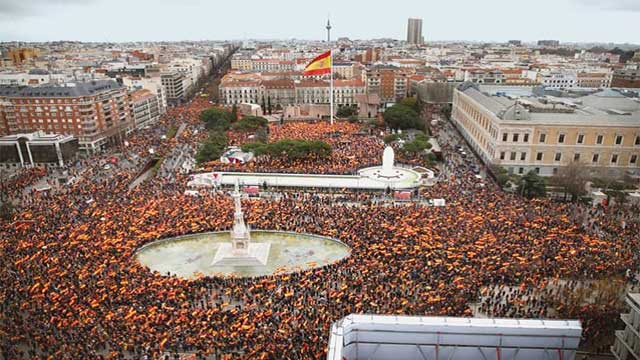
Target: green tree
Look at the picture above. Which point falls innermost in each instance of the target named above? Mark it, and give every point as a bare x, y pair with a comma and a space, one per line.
572, 178
411, 102
263, 105
216, 119
234, 113
501, 174
419, 143
402, 117
532, 185
269, 107
250, 123
388, 139
213, 147
445, 111
346, 111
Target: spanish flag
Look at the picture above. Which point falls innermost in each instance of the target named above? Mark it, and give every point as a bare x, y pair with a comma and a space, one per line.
320, 65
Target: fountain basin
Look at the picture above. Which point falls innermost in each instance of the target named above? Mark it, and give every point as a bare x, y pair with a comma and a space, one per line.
190, 256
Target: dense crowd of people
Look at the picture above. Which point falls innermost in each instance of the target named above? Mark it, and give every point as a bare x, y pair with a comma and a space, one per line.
72, 289
352, 149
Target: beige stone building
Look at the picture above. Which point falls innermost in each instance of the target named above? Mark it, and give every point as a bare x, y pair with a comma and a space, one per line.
513, 128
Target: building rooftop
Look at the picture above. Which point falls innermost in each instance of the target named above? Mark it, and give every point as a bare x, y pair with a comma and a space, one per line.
60, 90
536, 106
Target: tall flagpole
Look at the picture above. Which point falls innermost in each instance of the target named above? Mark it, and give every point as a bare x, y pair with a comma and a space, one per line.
331, 86
331, 69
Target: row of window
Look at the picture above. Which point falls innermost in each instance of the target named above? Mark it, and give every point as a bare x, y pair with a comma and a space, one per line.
633, 160
619, 139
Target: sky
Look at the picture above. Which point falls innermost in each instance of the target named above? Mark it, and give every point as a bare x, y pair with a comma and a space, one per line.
171, 20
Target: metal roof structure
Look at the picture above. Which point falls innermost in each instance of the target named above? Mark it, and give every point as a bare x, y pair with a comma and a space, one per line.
380, 337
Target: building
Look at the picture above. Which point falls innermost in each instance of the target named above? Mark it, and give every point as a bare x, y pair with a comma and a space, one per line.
97, 113
175, 85
20, 55
145, 108
238, 92
389, 82
595, 80
37, 149
549, 43
279, 93
484, 76
285, 92
521, 130
317, 92
628, 77
414, 32
358, 337
558, 80
627, 344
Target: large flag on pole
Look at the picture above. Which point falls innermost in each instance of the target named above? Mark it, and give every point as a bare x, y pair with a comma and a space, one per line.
320, 65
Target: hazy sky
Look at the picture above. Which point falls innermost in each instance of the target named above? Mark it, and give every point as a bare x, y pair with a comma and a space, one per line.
487, 20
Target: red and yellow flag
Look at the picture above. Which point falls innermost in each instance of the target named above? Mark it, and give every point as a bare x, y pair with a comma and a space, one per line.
320, 65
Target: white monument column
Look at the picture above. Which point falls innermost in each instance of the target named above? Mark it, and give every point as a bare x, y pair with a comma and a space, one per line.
241, 251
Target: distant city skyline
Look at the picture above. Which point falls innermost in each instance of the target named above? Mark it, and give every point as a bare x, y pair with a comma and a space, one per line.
147, 20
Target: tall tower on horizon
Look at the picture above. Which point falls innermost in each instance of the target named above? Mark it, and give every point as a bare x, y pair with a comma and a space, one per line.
328, 30
414, 31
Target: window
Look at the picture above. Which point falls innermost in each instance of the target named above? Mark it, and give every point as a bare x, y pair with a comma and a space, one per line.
543, 138
525, 138
581, 139
576, 157
520, 170
502, 155
523, 156
505, 136
634, 159
537, 170
614, 158
618, 139
595, 158
558, 156
561, 139
513, 156
599, 139
539, 156
555, 171
515, 137
637, 140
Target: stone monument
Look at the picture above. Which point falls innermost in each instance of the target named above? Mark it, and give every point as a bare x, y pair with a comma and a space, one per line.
241, 251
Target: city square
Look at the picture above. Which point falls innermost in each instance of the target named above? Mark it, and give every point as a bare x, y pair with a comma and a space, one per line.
225, 226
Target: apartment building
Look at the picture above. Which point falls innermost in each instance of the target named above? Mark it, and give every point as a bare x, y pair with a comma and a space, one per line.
558, 80
175, 85
96, 113
281, 92
289, 92
519, 131
627, 343
389, 82
145, 108
484, 76
628, 77
586, 79
237, 92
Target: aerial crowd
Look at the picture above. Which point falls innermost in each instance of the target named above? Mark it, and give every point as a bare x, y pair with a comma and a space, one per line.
72, 289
